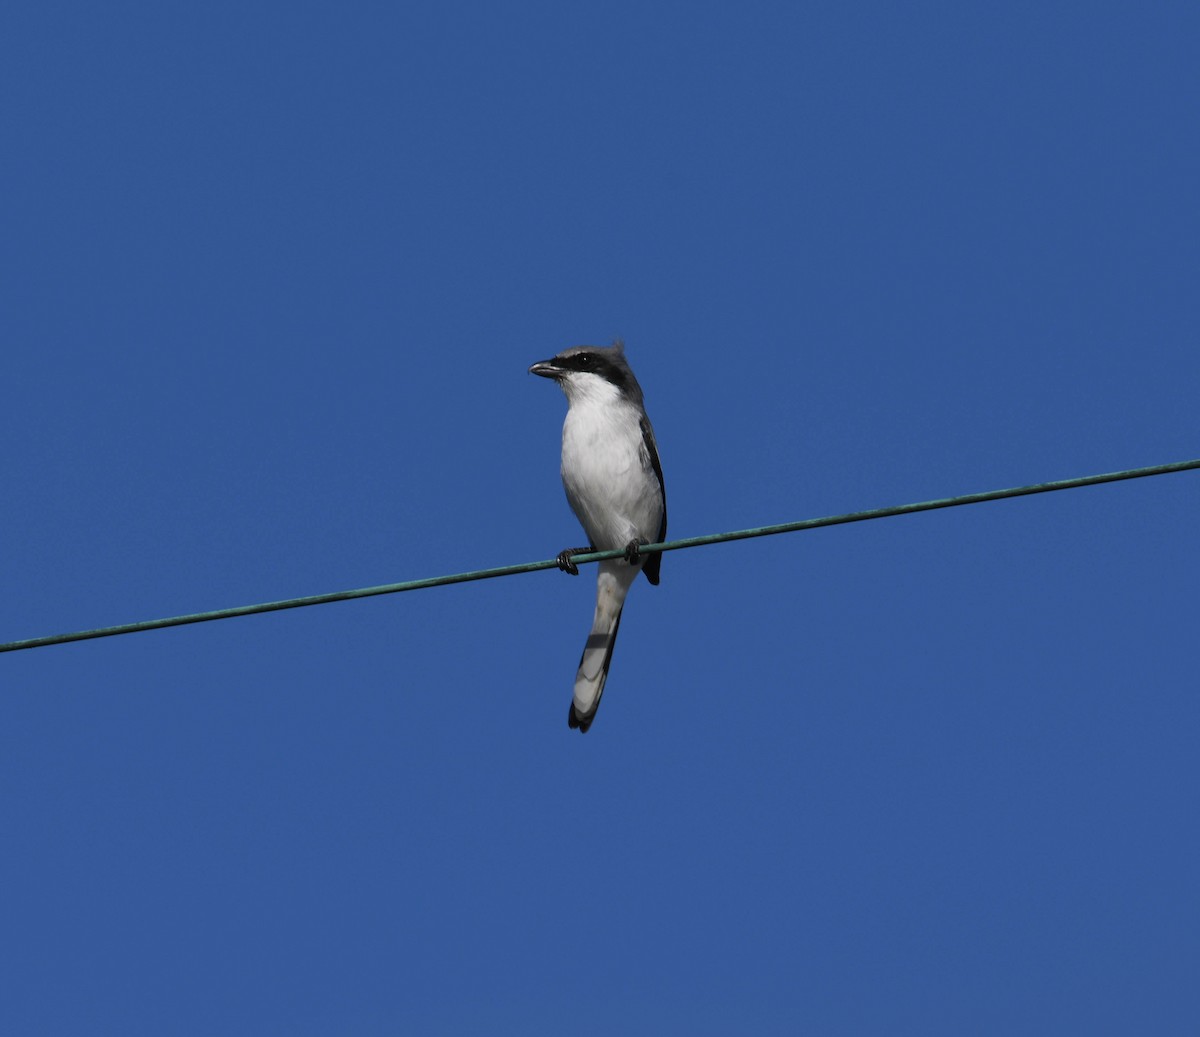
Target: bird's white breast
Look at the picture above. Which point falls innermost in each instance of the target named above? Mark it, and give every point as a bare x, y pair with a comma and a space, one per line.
606, 471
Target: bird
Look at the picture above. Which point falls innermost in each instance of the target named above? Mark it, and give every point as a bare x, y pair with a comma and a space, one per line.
614, 483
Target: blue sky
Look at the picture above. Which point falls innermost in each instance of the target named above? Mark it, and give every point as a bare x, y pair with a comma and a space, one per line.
273, 276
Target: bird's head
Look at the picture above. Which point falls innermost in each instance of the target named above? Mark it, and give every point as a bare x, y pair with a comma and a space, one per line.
592, 372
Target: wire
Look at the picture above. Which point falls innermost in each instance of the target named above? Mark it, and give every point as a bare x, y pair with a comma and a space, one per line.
599, 556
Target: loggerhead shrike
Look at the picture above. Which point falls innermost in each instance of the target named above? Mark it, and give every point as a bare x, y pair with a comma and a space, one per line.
614, 484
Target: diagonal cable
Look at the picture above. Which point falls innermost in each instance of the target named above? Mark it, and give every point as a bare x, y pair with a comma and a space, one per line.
598, 556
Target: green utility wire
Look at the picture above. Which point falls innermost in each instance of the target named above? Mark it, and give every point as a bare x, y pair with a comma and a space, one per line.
598, 556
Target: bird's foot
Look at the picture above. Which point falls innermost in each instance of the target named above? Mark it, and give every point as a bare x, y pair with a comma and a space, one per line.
564, 559
633, 550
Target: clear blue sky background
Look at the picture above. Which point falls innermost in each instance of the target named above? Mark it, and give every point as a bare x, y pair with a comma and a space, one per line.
271, 279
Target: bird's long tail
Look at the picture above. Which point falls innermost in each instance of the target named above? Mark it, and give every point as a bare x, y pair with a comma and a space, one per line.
612, 584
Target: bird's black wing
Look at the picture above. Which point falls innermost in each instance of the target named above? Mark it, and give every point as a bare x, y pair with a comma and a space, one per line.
654, 561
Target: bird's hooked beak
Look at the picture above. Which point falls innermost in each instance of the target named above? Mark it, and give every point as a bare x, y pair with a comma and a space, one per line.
546, 368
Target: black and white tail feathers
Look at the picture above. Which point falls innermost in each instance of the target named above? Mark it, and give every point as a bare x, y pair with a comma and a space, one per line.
612, 584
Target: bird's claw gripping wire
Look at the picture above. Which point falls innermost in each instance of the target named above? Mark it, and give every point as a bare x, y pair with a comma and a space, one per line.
633, 555
564, 559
